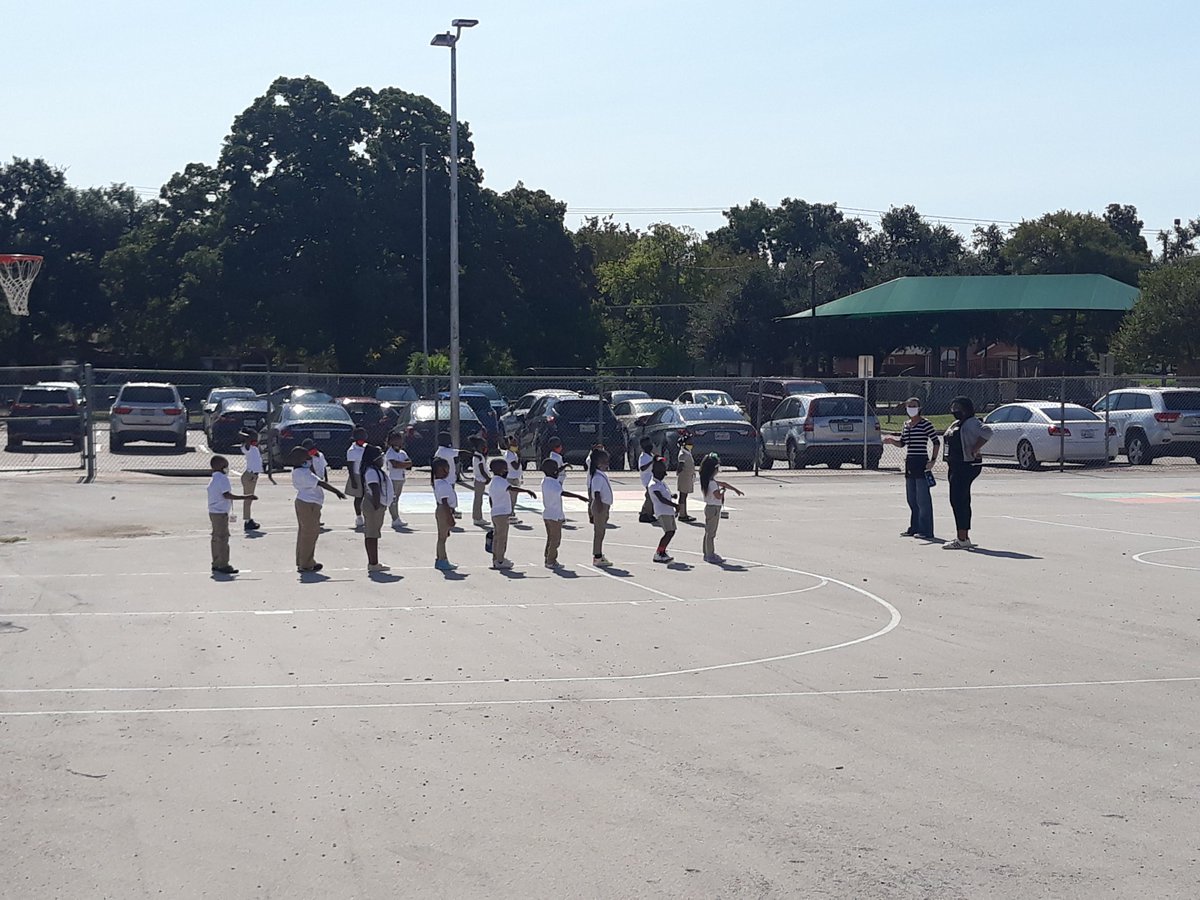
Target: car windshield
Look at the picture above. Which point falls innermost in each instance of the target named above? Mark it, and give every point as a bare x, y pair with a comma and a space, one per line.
369, 412
803, 387
147, 394
714, 398
221, 393
45, 396
582, 410
488, 391
1072, 413
395, 393
711, 414
645, 407
317, 412
425, 412
838, 406
1181, 401
258, 406
309, 395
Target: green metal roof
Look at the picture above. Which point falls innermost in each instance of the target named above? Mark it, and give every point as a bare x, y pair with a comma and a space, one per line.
979, 293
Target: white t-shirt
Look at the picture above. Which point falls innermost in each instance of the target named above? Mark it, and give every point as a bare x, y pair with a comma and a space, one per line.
320, 465
552, 499
354, 455
500, 496
599, 484
514, 467
443, 489
657, 487
647, 475
218, 486
253, 457
562, 473
393, 455
387, 493
304, 480
479, 468
710, 496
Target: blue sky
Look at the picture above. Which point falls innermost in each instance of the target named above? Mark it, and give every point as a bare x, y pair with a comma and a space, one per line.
992, 111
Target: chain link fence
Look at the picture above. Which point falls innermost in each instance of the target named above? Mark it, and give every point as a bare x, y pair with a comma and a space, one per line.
751, 422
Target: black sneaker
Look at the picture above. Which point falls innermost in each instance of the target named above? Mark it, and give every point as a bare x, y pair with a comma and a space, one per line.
251, 525
225, 570
650, 520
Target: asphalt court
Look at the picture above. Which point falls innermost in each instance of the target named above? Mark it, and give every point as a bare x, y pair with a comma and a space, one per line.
835, 707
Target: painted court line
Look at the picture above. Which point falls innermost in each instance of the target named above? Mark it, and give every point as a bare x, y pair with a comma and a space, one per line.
1165, 537
565, 701
1141, 557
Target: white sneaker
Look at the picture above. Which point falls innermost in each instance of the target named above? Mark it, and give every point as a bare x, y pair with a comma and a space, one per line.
956, 544
663, 558
601, 562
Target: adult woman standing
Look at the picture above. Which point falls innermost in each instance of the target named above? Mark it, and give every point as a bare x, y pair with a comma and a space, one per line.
964, 439
915, 437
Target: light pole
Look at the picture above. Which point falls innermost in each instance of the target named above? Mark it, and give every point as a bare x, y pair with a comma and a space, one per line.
424, 273
812, 305
450, 39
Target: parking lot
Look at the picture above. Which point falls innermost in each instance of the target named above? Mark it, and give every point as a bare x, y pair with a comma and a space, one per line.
836, 711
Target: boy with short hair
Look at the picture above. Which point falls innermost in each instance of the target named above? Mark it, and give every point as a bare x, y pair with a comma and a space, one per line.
664, 508
398, 463
220, 503
254, 467
552, 510
501, 493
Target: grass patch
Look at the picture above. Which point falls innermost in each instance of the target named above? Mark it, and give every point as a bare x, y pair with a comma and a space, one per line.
895, 423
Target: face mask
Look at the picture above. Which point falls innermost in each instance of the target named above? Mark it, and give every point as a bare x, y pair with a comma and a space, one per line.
361, 443
313, 453
913, 411
254, 443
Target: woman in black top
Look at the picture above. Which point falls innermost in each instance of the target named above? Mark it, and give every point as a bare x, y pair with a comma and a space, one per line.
964, 439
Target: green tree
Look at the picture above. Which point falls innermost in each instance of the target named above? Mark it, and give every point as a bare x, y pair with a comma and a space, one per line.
1163, 328
1069, 243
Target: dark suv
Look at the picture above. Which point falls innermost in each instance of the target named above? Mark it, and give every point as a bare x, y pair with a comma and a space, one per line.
45, 413
774, 391
579, 422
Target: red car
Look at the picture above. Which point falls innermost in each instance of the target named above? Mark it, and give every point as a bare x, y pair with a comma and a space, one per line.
377, 417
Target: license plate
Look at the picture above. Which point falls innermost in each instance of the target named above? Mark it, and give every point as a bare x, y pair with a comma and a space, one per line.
1088, 435
252, 423
43, 421
588, 426
722, 435
845, 426
321, 435
145, 412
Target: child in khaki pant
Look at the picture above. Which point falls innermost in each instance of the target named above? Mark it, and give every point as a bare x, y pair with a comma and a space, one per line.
552, 510
502, 494
220, 503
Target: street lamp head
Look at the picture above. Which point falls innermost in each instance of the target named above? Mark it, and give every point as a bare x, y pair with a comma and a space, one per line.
817, 264
443, 40
465, 23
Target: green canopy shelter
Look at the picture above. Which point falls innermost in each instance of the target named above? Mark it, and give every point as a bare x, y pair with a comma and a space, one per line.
980, 293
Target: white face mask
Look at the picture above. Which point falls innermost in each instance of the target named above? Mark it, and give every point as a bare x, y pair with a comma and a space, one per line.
912, 411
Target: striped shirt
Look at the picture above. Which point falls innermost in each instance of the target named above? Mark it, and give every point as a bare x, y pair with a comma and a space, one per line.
916, 438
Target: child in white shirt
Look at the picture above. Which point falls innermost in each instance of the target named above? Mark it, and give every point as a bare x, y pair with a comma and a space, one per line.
220, 503
645, 462
600, 490
253, 468
552, 510
514, 472
398, 463
714, 499
480, 479
502, 494
354, 482
664, 508
451, 456
446, 499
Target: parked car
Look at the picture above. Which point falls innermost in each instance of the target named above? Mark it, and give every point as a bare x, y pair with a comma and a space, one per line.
489, 422
499, 404
216, 395
775, 390
396, 393
72, 386
510, 422
615, 397
290, 393
1036, 432
377, 417
421, 422
328, 425
712, 429
147, 411
233, 414
579, 422
705, 398
45, 413
1153, 422
630, 413
809, 429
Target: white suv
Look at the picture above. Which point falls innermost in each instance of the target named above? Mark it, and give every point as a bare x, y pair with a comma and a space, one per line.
146, 411
1153, 422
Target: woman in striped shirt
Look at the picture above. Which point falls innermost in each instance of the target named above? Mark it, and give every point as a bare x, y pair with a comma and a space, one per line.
915, 437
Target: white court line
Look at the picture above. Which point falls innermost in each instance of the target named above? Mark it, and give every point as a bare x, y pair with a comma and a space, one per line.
565, 701
633, 584
403, 608
1165, 537
1139, 557
894, 618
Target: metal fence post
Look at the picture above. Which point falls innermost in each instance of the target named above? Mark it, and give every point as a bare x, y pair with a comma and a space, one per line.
866, 405
1062, 425
758, 424
89, 426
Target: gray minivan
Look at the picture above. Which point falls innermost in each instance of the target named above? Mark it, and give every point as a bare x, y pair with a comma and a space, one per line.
810, 429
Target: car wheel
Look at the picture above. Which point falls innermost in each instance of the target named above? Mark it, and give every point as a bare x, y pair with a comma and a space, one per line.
795, 459
1137, 450
115, 445
1026, 458
181, 443
764, 461
77, 445
13, 444
834, 464
873, 462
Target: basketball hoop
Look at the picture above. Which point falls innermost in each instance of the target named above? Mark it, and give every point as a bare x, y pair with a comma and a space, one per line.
17, 271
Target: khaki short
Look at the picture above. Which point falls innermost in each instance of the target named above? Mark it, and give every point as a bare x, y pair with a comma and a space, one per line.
667, 523
372, 518
352, 491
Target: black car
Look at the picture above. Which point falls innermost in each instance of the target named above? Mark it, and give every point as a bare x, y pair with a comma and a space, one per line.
48, 414
230, 416
290, 393
489, 422
712, 429
328, 426
579, 422
422, 421
774, 391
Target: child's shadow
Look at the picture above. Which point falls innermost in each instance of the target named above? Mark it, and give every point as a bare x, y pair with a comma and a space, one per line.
512, 573
566, 573
312, 577
619, 573
732, 567
680, 566
454, 576
384, 577
403, 529
255, 535
521, 526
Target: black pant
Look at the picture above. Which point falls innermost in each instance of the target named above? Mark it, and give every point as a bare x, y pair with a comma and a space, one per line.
960, 479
